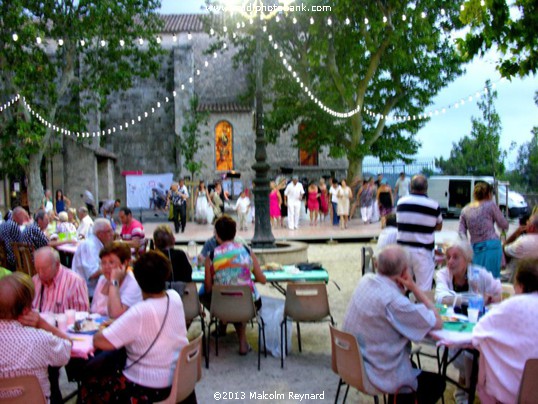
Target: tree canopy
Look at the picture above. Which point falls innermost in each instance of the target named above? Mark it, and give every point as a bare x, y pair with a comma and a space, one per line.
514, 33
85, 51
479, 153
388, 57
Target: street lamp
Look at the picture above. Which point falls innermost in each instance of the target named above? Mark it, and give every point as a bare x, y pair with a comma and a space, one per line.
257, 11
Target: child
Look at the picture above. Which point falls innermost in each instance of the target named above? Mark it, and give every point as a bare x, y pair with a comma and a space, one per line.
242, 206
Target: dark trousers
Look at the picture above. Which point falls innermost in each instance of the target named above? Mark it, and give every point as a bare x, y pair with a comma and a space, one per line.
336, 218
54, 380
431, 387
180, 214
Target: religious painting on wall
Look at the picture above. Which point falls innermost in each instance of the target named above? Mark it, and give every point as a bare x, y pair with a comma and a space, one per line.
223, 146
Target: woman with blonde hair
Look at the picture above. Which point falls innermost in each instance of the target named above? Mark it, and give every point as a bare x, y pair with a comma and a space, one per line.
344, 194
275, 203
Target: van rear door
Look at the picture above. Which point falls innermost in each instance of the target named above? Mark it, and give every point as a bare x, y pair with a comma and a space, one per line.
459, 195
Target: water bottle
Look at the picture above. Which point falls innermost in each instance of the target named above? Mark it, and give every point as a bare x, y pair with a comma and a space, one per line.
474, 281
192, 251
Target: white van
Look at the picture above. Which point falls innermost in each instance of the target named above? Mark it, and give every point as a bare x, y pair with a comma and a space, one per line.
454, 192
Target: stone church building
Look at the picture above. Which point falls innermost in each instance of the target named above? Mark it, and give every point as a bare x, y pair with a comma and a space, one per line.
150, 146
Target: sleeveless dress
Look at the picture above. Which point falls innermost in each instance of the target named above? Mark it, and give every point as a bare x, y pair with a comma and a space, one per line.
60, 205
202, 208
342, 206
324, 201
385, 203
274, 209
313, 203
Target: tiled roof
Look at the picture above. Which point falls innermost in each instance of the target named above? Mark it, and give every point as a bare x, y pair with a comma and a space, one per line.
182, 23
224, 107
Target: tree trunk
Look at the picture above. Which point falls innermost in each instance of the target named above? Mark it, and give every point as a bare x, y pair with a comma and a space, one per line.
35, 187
354, 169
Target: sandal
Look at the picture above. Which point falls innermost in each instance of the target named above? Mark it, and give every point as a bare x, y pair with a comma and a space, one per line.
247, 351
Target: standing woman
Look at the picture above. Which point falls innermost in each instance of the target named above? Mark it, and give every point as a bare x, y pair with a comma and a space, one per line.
479, 218
366, 198
62, 202
283, 207
384, 200
344, 194
203, 205
275, 203
313, 203
323, 200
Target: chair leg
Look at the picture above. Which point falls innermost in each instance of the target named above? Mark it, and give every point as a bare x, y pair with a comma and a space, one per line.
286, 337
345, 394
282, 328
340, 383
299, 337
259, 345
217, 324
205, 344
376, 399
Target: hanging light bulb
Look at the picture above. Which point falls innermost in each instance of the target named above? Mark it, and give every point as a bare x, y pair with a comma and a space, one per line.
122, 43
189, 36
404, 17
423, 14
311, 20
347, 21
103, 43
15, 37
329, 21
211, 32
141, 41
294, 20
366, 21
174, 38
60, 42
82, 42
38, 40
384, 19
158, 39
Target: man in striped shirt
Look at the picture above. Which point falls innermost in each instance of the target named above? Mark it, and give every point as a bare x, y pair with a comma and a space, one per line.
418, 217
57, 288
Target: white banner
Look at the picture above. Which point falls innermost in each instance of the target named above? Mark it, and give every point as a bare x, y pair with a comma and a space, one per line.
139, 188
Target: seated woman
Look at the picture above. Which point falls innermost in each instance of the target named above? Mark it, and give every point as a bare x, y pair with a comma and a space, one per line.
455, 277
164, 242
116, 289
232, 263
506, 338
153, 333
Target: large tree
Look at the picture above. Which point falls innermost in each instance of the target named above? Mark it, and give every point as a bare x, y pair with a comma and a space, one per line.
510, 26
85, 51
479, 153
389, 57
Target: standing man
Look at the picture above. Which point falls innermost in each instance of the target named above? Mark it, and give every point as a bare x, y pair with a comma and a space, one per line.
418, 217
86, 261
292, 198
86, 223
89, 200
107, 210
401, 188
384, 321
184, 195
333, 191
132, 231
11, 232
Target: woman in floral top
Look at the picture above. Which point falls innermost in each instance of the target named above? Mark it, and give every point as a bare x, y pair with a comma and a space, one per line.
479, 219
232, 263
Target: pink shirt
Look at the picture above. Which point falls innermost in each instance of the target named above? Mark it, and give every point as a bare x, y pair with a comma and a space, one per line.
134, 229
66, 291
480, 221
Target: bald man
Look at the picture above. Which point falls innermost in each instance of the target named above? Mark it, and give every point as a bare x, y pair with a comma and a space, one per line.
29, 345
11, 232
384, 321
57, 288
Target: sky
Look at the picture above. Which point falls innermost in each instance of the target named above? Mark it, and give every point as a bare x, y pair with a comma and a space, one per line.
514, 104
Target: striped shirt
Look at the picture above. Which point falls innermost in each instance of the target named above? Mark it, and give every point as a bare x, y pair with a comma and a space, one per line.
417, 216
34, 236
66, 291
10, 232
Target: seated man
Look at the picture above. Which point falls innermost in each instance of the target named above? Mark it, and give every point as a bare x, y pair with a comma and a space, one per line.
86, 223
384, 322
58, 288
506, 338
132, 231
34, 234
29, 344
86, 261
10, 232
522, 243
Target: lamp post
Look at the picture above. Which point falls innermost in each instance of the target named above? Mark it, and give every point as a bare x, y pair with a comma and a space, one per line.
263, 236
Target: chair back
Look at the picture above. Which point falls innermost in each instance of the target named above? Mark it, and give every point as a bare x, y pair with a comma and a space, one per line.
21, 390
306, 301
191, 302
188, 372
3, 254
347, 361
528, 389
142, 248
232, 303
24, 258
507, 290
367, 255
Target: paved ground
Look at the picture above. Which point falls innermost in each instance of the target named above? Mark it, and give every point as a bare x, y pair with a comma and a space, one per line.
309, 371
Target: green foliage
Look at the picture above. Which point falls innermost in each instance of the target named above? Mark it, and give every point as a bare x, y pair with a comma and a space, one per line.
395, 67
479, 153
514, 33
62, 83
191, 138
525, 175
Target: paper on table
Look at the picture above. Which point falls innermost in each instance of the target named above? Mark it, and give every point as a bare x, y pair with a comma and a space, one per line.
82, 345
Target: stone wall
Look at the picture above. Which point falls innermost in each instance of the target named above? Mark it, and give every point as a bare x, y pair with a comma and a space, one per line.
80, 171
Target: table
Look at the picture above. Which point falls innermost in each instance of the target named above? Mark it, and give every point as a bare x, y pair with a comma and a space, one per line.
458, 337
275, 277
82, 345
67, 251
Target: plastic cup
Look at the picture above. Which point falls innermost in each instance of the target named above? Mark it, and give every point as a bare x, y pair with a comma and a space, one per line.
71, 316
61, 319
49, 318
472, 315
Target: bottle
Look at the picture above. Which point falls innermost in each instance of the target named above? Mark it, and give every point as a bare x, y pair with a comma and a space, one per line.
192, 252
474, 281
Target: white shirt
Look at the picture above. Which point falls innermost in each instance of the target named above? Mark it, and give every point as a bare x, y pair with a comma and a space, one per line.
525, 246
387, 237
85, 227
506, 338
130, 294
86, 261
242, 204
403, 186
294, 192
334, 193
137, 329
183, 190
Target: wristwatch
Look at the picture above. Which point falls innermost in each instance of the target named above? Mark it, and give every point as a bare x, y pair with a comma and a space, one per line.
115, 283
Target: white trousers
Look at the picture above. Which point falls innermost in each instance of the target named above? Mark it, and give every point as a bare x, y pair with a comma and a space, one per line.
294, 213
422, 266
366, 213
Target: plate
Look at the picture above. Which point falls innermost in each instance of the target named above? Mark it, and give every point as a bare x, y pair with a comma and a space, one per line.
455, 318
72, 330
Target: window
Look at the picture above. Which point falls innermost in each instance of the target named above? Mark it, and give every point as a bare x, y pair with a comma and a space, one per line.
224, 146
307, 155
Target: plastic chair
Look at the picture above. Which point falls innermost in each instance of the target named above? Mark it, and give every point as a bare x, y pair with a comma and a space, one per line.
305, 302
193, 309
188, 372
21, 390
528, 389
367, 261
234, 304
347, 362
24, 258
507, 290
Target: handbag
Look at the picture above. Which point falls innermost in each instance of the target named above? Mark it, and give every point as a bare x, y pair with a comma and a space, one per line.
171, 213
178, 286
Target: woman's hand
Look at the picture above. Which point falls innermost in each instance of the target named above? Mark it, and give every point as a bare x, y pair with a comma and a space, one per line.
117, 273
